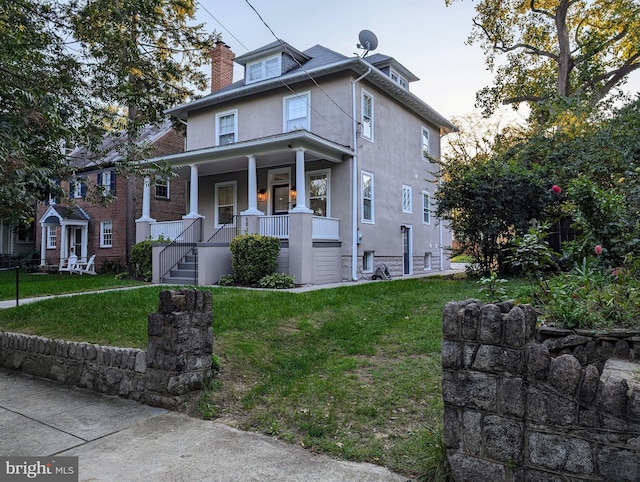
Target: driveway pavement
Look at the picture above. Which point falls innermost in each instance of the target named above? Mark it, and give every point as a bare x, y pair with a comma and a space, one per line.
121, 440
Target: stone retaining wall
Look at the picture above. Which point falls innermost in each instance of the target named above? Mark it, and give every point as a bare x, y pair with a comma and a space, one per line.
515, 411
176, 364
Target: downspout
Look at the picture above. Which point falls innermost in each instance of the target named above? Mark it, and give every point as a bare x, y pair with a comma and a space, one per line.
354, 187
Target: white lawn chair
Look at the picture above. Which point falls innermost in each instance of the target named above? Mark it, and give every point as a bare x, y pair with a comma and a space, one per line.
86, 268
70, 266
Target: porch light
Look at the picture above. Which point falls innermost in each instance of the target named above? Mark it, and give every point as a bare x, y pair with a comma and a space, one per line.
262, 196
293, 194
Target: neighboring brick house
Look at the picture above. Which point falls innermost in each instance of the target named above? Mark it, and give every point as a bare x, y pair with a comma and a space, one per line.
80, 224
332, 154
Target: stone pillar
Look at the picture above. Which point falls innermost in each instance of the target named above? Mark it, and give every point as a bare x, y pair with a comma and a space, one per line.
179, 348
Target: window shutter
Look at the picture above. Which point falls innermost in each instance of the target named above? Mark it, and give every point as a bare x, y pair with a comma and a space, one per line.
72, 189
83, 190
112, 184
99, 180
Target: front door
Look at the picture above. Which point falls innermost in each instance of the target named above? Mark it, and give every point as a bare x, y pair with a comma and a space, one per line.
75, 241
407, 253
280, 198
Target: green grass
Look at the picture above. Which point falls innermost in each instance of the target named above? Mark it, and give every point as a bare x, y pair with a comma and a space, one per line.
353, 372
36, 284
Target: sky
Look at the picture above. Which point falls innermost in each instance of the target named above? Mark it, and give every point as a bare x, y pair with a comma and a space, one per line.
425, 36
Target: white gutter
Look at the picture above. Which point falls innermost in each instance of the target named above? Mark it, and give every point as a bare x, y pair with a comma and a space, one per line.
354, 187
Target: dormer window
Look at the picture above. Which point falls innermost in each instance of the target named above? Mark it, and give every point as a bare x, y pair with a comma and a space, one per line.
401, 81
264, 69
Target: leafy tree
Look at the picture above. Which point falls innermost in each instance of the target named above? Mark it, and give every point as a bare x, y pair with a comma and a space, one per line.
571, 51
39, 104
488, 203
73, 71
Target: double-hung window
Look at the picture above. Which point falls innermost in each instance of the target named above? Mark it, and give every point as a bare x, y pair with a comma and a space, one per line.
297, 112
368, 208
226, 128
318, 185
162, 187
106, 234
407, 193
367, 115
52, 237
107, 180
425, 143
77, 188
426, 207
225, 203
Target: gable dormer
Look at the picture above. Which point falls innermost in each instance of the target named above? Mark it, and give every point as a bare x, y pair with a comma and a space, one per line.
393, 69
270, 61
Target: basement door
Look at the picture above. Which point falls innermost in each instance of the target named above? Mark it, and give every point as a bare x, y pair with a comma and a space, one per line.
407, 251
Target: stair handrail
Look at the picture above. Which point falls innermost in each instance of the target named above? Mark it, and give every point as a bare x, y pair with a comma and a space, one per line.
231, 223
177, 250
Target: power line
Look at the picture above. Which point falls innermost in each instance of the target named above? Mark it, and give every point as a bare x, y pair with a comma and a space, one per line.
220, 23
302, 67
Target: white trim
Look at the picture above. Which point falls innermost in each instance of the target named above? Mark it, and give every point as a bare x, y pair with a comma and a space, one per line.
428, 259
265, 72
368, 267
219, 116
271, 182
370, 134
407, 199
426, 209
304, 97
320, 172
424, 130
216, 205
103, 225
155, 187
52, 235
372, 197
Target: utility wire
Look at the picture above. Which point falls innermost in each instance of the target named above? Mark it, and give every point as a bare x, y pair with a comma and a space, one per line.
300, 65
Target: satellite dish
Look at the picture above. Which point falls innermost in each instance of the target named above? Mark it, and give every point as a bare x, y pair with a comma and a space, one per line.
368, 41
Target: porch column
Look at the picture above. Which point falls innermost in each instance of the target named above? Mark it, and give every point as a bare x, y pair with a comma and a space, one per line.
146, 201
43, 245
193, 194
301, 188
252, 189
64, 247
143, 223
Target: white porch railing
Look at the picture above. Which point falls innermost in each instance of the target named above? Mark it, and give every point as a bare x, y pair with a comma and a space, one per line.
325, 228
169, 230
276, 226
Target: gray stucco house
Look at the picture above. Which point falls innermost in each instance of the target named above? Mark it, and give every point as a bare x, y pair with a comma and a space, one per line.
329, 153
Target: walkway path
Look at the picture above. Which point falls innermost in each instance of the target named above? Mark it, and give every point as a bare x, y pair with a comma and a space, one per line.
121, 440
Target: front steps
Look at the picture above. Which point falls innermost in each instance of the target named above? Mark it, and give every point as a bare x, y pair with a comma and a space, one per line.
185, 273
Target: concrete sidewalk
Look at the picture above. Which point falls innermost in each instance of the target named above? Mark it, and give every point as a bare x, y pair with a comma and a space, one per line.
121, 440
456, 268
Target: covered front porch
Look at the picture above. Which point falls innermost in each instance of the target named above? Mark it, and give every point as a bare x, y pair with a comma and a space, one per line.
263, 186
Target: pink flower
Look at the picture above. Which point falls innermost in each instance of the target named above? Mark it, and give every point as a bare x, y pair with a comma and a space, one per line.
598, 249
555, 188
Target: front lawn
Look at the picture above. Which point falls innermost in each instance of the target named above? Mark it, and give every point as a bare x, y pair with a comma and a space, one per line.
38, 284
353, 372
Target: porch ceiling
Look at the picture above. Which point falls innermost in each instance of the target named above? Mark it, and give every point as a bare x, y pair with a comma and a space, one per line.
268, 151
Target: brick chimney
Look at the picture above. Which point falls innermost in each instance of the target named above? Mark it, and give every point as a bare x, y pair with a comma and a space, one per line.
221, 66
